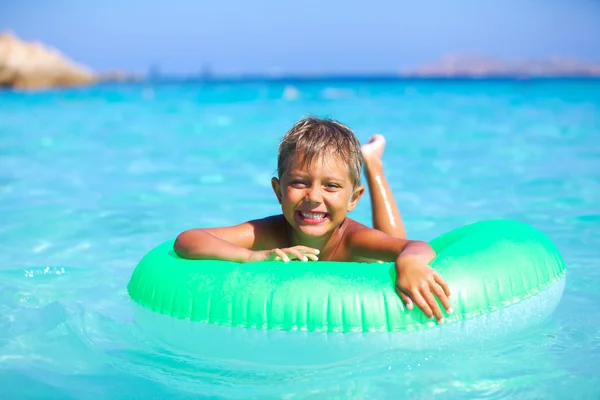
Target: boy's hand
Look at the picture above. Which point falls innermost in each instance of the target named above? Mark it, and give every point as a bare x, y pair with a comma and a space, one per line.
417, 282
302, 253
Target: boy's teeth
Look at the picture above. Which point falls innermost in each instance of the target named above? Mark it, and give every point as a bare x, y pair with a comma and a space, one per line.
312, 215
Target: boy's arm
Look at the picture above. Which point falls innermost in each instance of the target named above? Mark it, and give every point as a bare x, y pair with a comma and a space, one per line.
233, 243
257, 240
370, 243
416, 281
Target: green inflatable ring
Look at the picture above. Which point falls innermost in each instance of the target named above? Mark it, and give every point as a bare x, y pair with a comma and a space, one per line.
488, 265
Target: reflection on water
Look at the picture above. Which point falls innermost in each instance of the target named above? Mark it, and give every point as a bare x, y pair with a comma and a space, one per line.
87, 190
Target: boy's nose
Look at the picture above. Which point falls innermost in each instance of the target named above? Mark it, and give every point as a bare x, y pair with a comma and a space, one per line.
314, 195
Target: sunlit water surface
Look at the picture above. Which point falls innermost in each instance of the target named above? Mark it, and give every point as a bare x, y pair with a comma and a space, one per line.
91, 179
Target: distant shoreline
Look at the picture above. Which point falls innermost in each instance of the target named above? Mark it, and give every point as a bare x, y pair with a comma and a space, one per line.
36, 66
333, 79
349, 78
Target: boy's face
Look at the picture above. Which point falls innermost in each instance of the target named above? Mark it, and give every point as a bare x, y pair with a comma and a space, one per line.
315, 198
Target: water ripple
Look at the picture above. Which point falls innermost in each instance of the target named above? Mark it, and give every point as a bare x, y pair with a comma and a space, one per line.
102, 175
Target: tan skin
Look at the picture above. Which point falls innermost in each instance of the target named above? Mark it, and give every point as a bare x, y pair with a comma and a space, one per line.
315, 200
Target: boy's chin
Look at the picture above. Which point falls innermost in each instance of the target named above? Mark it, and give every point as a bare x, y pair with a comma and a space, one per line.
313, 231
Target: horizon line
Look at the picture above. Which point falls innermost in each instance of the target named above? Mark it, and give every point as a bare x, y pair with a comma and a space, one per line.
338, 77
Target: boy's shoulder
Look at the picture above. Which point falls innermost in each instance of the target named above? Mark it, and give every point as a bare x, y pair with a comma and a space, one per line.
353, 227
269, 232
356, 237
364, 243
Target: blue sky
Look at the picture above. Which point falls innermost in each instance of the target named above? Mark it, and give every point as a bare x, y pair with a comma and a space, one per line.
308, 36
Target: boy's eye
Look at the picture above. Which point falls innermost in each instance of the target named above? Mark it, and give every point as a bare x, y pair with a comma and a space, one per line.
298, 183
333, 186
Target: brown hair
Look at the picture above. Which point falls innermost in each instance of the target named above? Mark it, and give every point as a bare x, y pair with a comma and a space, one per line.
312, 137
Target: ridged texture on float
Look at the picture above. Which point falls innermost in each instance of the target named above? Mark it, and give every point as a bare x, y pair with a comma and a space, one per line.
488, 265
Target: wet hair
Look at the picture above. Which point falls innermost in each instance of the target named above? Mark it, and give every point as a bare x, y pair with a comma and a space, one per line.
315, 137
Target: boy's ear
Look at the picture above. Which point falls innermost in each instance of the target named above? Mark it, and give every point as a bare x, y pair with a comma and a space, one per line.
358, 192
276, 188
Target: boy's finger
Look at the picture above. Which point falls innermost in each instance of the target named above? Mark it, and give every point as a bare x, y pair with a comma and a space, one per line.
407, 301
312, 257
440, 281
297, 254
306, 249
433, 305
281, 254
437, 290
422, 304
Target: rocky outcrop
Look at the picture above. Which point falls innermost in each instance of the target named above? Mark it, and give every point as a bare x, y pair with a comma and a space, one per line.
32, 65
481, 67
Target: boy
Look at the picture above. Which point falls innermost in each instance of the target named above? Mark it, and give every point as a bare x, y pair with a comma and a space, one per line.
319, 167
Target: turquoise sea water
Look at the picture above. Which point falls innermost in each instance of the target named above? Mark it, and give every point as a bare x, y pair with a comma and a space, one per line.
91, 179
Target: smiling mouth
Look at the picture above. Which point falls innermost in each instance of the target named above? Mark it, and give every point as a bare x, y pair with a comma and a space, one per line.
311, 217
